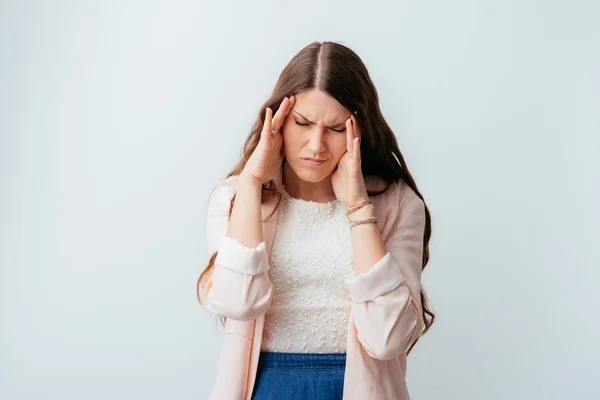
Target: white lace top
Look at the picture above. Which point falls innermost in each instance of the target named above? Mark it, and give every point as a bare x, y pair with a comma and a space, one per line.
310, 258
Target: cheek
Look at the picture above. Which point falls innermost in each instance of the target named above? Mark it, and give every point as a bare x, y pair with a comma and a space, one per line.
338, 145
291, 139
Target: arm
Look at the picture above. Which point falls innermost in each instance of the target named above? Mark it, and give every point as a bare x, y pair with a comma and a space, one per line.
239, 287
386, 282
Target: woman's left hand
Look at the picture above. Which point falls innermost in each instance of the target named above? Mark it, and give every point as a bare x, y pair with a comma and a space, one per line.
347, 180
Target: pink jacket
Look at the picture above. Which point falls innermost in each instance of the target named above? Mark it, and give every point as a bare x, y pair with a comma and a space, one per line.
386, 312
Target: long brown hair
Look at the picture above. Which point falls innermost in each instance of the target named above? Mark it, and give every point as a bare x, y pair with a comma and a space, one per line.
337, 70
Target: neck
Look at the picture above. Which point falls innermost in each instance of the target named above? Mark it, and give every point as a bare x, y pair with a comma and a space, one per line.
320, 192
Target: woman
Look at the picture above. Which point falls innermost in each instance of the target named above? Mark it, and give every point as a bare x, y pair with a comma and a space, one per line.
318, 238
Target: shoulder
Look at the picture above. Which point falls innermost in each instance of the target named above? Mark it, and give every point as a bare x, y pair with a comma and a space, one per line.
227, 184
397, 197
398, 206
223, 191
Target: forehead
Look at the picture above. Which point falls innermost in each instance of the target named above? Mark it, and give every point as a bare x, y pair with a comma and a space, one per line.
319, 106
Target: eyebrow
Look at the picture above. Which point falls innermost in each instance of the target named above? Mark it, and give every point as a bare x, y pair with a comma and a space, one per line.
330, 127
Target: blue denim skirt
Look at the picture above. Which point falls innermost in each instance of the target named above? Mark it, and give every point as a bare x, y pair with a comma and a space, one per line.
306, 376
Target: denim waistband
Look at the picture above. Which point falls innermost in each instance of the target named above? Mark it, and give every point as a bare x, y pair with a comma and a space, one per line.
312, 361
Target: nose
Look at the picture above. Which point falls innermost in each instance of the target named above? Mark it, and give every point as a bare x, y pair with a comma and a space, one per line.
316, 143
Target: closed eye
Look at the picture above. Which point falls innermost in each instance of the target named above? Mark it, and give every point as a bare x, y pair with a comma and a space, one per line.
335, 130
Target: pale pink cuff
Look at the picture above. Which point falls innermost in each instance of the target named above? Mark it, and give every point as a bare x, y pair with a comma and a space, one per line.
236, 257
383, 277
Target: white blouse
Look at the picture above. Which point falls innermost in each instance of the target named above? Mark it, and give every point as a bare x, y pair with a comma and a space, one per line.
310, 259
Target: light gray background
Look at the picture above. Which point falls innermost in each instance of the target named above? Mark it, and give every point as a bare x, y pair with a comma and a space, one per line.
116, 119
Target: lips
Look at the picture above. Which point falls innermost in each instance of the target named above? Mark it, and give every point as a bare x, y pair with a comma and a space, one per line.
312, 163
313, 159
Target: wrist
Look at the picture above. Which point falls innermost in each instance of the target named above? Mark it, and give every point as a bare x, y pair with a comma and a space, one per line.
357, 205
248, 179
367, 211
358, 202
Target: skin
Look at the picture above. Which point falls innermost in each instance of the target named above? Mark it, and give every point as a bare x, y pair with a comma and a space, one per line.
318, 126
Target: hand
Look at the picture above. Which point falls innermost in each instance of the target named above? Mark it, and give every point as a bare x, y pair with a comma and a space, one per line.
266, 159
347, 180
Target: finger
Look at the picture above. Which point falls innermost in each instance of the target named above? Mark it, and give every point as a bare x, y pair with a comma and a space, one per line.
266, 131
292, 104
349, 135
356, 150
355, 127
282, 112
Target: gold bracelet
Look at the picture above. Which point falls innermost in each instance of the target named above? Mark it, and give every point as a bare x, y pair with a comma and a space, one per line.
358, 207
363, 221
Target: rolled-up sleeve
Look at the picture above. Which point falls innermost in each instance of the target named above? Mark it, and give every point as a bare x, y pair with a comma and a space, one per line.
386, 300
238, 287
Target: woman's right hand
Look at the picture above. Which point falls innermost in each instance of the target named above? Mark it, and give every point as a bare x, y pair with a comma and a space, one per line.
266, 159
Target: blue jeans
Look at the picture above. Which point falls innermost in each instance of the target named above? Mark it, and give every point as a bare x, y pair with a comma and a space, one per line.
292, 376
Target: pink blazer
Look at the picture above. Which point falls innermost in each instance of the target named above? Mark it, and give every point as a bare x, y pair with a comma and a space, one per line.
386, 312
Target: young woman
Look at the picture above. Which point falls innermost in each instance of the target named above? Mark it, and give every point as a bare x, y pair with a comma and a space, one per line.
317, 240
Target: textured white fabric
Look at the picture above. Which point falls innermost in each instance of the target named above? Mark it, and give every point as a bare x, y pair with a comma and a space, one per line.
310, 260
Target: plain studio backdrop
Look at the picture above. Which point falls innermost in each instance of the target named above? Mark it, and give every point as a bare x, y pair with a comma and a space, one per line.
117, 118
